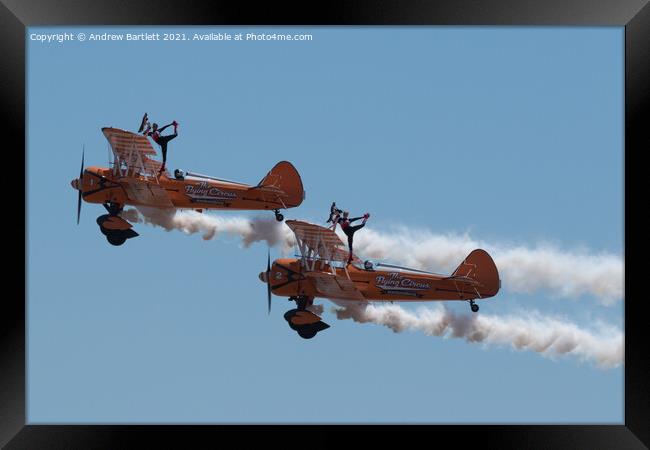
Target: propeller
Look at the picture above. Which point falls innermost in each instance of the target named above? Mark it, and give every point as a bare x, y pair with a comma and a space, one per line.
80, 184
268, 278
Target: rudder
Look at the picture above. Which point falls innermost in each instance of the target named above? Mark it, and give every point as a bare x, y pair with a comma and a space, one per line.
285, 177
479, 266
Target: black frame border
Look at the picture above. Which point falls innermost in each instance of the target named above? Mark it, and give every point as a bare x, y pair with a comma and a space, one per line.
634, 15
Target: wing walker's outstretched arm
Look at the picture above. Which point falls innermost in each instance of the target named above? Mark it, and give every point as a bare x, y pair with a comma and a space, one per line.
335, 213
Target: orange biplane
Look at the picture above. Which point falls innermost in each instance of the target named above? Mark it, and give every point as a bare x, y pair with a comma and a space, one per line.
321, 271
135, 179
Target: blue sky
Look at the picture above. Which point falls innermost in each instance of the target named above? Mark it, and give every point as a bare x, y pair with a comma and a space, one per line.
513, 135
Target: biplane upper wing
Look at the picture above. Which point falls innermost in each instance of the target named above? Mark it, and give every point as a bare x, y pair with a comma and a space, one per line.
133, 151
319, 243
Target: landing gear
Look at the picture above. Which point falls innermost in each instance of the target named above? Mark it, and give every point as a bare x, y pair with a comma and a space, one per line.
116, 229
279, 217
116, 239
307, 333
473, 305
302, 302
113, 208
303, 322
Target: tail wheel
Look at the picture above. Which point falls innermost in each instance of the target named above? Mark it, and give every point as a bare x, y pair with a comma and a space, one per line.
279, 217
474, 307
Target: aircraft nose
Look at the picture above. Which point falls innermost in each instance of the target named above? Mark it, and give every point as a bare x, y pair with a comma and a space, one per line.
75, 184
263, 277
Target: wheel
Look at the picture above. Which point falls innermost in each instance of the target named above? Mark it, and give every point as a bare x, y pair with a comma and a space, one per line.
288, 315
307, 333
100, 220
474, 307
115, 239
279, 217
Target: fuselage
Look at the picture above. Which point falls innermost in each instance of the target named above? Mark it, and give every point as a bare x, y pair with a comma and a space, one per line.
101, 185
287, 278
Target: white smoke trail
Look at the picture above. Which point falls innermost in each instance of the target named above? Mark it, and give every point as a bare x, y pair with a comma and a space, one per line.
190, 222
522, 269
316, 309
548, 336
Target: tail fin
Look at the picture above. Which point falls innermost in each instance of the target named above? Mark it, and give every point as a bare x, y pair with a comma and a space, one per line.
479, 269
285, 178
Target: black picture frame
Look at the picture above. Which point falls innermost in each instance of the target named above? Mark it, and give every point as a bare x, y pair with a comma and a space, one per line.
634, 15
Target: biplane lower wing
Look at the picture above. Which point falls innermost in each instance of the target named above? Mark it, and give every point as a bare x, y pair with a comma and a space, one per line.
146, 193
333, 286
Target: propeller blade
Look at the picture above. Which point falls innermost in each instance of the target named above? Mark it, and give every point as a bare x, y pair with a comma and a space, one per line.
79, 208
81, 172
81, 175
268, 279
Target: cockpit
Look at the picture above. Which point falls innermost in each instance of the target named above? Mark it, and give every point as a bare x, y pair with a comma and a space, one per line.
366, 265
